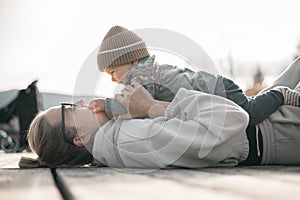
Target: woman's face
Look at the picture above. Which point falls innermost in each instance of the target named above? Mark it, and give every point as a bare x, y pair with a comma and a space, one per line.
79, 117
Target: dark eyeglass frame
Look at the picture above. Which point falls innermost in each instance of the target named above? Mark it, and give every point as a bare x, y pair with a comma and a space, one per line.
63, 124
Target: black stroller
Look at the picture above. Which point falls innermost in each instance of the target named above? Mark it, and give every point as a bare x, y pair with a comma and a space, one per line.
16, 117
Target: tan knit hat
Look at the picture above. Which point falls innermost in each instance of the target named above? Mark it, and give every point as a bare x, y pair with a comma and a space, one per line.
120, 46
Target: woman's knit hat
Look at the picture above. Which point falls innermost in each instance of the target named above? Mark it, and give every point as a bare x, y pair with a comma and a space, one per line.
120, 46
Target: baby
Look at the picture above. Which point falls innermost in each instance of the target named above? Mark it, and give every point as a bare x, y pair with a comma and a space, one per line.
124, 56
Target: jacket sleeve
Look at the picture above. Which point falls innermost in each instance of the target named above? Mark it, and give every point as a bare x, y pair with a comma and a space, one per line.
113, 108
170, 79
218, 119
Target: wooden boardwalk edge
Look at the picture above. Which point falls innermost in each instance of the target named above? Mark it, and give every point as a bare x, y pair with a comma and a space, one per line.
236, 183
259, 182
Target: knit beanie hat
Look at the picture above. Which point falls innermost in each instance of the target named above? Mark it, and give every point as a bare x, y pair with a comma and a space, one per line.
120, 46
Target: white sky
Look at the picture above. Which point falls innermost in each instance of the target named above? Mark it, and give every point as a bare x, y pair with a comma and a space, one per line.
50, 40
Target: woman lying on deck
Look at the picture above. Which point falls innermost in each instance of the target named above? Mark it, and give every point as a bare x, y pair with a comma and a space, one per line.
194, 130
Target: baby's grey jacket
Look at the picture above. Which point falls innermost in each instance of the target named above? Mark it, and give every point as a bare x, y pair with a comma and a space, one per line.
163, 82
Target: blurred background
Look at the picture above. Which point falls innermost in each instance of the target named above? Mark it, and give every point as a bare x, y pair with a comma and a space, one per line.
249, 41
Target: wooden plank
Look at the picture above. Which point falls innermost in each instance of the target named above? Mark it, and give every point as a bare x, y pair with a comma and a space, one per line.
27, 184
279, 173
260, 182
18, 183
107, 183
212, 183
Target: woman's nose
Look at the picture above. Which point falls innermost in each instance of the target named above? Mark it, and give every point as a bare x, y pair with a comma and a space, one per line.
80, 103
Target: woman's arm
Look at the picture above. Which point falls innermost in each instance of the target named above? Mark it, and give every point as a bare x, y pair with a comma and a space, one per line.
139, 103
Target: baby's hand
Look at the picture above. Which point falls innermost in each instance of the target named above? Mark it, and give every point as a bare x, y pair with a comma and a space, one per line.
97, 105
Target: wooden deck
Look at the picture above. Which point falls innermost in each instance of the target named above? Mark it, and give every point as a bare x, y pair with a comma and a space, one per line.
256, 182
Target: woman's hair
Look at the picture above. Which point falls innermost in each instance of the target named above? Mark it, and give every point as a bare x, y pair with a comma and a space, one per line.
52, 147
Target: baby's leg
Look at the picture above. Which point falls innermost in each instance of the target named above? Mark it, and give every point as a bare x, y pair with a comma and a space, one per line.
290, 77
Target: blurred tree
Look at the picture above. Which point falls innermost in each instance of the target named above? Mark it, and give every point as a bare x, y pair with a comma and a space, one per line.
257, 84
258, 77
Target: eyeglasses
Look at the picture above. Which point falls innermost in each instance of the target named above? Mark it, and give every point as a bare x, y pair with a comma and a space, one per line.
63, 106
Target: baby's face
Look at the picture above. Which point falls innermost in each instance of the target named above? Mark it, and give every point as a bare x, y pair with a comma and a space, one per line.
118, 73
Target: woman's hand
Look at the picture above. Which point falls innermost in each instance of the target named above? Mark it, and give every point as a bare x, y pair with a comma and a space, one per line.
139, 103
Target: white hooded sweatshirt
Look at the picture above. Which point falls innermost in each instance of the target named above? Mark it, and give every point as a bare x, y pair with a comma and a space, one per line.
198, 130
